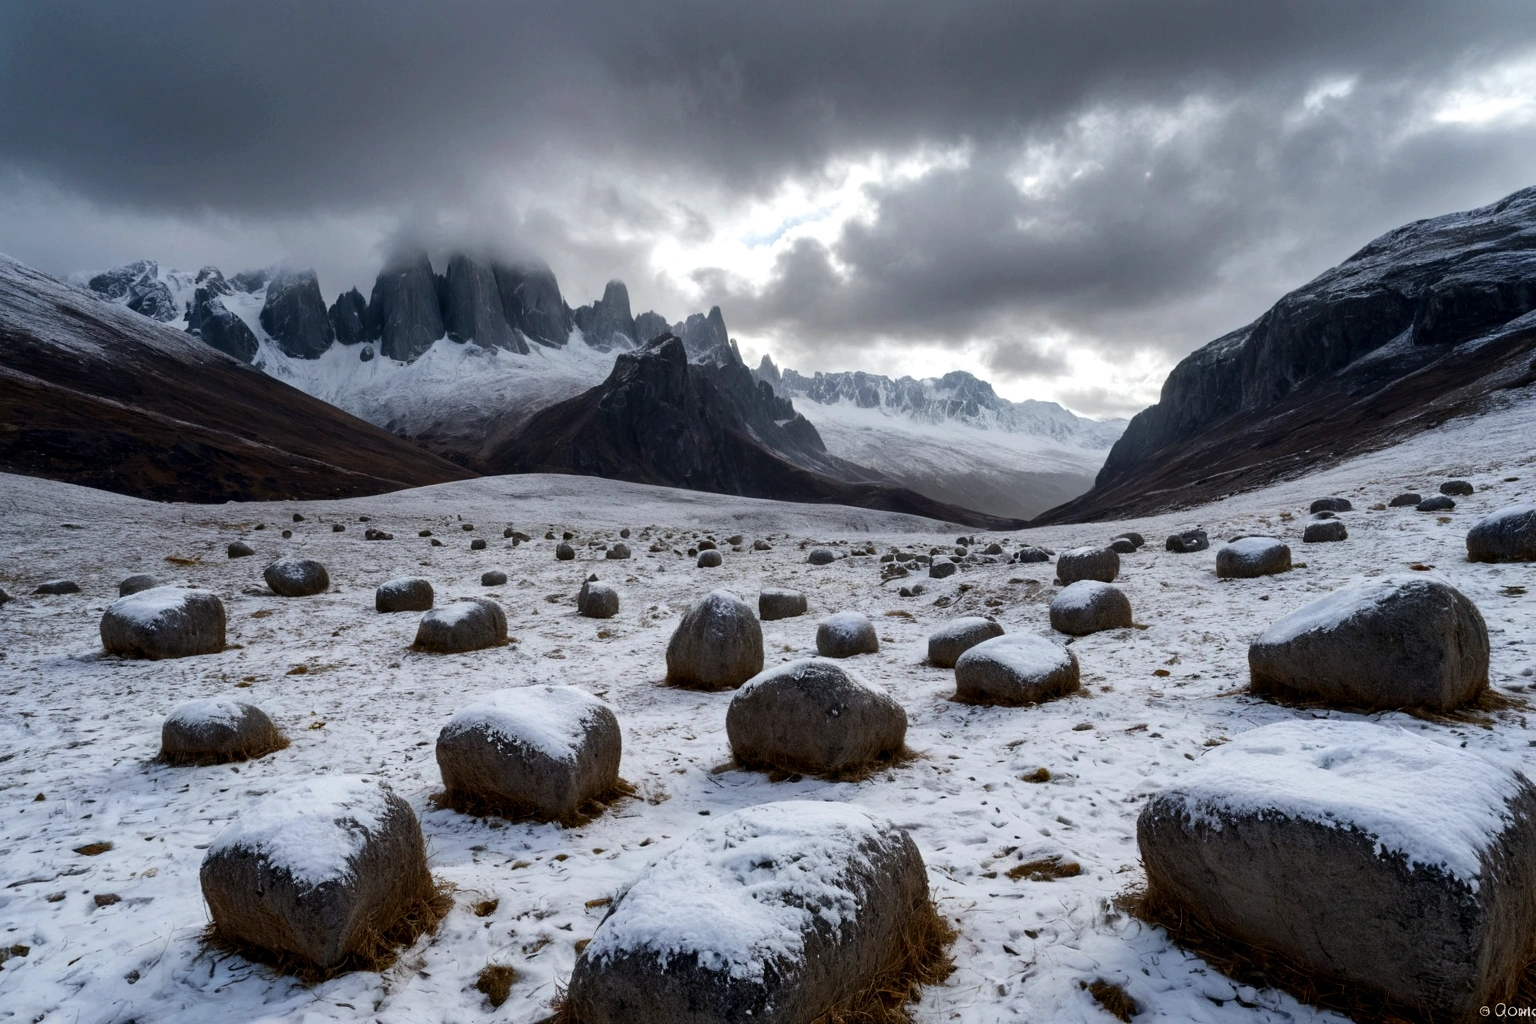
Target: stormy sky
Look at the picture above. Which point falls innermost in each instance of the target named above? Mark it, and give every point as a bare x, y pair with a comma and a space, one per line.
1062, 197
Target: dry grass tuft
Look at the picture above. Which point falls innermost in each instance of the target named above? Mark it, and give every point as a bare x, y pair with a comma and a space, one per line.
784, 772
93, 849
1046, 869
496, 982
1037, 776
485, 908
1115, 1000
247, 753
477, 805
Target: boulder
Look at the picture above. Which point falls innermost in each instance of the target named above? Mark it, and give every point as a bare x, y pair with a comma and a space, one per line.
707, 545
134, 584
1188, 542
710, 559
993, 549
1132, 536
813, 716
1325, 514
1436, 503
1100, 564
1508, 535
493, 578
737, 922
779, 603
619, 550
164, 622
319, 869
564, 552
1386, 643
718, 644
4, 597
597, 601
1331, 505
338, 528
821, 556
942, 570
469, 625
1249, 557
58, 587
375, 534
846, 634
1457, 488
216, 730
1405, 499
1122, 546
478, 544
407, 594
1089, 606
1318, 533
1381, 858
954, 638
294, 314
1031, 554
240, 549
1015, 669
297, 577
537, 752
761, 545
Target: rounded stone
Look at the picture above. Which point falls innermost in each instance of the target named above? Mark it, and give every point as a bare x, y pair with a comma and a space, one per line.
468, 625
1250, 557
993, 549
297, 577
407, 594
821, 556
240, 549
216, 730
1100, 564
942, 570
164, 622
597, 601
1324, 532
718, 644
1331, 505
1031, 554
1458, 488
1436, 503
780, 603
58, 587
136, 583
564, 552
1132, 536
1122, 546
1508, 535
1188, 542
1405, 499
478, 544
1089, 606
954, 638
618, 551
493, 578
1014, 670
813, 716
845, 635
709, 559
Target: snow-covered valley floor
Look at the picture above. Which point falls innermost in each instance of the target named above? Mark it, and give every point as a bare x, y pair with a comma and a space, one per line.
78, 731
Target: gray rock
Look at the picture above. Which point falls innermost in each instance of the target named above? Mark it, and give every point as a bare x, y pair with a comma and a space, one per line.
469, 625
493, 578
1031, 554
954, 638
1457, 488
1014, 670
597, 601
1437, 503
709, 559
813, 716
993, 549
942, 570
266, 891
407, 594
1100, 564
1325, 514
564, 552
338, 528
761, 545
164, 622
1331, 505
349, 319
1131, 535
531, 302
650, 325
779, 603
1508, 535
1386, 643
136, 583
297, 577
295, 316
1405, 499
4, 597
240, 549
1188, 542
1249, 557
478, 544
540, 752
217, 326
652, 959
708, 545
365, 354
820, 556
217, 730
1089, 606
1318, 533
845, 635
1122, 546
374, 534
1396, 865
607, 324
619, 550
473, 309
718, 644
58, 587
404, 314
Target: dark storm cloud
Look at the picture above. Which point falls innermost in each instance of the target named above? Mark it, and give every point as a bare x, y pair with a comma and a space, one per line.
1193, 194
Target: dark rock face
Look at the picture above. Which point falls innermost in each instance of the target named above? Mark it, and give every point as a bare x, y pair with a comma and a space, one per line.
1382, 644
1508, 535
531, 302
209, 320
349, 318
249, 281
474, 310
949, 641
710, 559
813, 716
607, 324
651, 325
138, 286
404, 313
164, 622
295, 315
703, 334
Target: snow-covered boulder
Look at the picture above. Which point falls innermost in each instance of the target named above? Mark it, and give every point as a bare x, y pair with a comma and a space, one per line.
718, 644
846, 634
215, 730
564, 552
1458, 488
780, 603
773, 914
710, 558
1089, 606
537, 751
1325, 532
407, 594
1509, 535
1188, 542
821, 556
597, 601
1436, 503
813, 716
1405, 499
1249, 557
240, 549
1396, 863
320, 869
164, 622
1385, 643
297, 577
1015, 669
468, 625
1100, 564
954, 638
1331, 505
134, 584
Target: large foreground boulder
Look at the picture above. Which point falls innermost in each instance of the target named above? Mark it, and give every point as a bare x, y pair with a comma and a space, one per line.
773, 914
780, 603
323, 869
469, 625
954, 638
845, 635
1385, 860
1100, 564
718, 644
1015, 669
535, 752
1089, 606
216, 730
297, 577
813, 716
164, 622
407, 594
1386, 643
1508, 535
1251, 557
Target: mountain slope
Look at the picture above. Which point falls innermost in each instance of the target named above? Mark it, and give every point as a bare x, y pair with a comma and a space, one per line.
99, 395
1429, 321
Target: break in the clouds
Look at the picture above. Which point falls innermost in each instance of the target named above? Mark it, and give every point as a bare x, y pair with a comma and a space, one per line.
1064, 198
